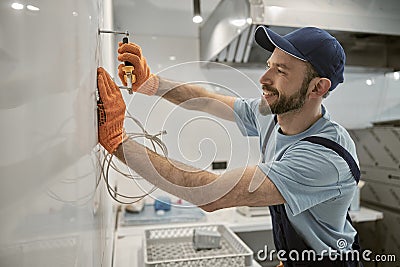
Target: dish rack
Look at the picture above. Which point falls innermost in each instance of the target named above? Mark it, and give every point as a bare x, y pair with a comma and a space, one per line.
173, 247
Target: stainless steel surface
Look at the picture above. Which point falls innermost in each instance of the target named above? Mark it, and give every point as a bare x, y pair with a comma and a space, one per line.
218, 31
130, 91
379, 155
378, 149
367, 29
129, 82
114, 32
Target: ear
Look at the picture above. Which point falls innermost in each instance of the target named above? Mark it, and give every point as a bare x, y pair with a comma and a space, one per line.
320, 87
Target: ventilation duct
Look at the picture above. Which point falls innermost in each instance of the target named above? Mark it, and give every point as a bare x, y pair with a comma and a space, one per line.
367, 29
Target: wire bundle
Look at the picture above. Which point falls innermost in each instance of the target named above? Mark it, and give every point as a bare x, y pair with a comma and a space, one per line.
107, 162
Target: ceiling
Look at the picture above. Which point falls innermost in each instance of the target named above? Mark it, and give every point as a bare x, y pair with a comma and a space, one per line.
160, 17
369, 35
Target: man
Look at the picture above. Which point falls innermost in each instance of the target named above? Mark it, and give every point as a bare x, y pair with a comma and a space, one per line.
310, 177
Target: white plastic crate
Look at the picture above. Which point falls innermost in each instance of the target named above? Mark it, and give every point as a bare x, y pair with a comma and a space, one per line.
173, 247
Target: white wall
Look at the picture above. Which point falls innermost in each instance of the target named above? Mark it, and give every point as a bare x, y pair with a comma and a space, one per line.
53, 208
355, 104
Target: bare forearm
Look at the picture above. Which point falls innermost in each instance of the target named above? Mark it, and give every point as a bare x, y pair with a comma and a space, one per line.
202, 188
194, 97
186, 95
171, 176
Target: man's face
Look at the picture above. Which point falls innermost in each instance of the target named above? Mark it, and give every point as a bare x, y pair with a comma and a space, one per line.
284, 84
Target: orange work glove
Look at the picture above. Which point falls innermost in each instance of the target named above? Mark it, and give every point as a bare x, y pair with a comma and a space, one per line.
111, 112
146, 83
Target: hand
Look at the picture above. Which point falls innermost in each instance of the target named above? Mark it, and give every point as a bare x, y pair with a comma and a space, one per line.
146, 83
111, 112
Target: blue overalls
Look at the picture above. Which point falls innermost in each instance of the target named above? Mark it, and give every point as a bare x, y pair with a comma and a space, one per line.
285, 236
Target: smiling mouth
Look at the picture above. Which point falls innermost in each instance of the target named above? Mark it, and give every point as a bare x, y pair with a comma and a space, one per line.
268, 95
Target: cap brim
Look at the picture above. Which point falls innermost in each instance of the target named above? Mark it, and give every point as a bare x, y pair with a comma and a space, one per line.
269, 40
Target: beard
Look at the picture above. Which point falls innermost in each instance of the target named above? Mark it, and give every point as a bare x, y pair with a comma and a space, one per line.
284, 103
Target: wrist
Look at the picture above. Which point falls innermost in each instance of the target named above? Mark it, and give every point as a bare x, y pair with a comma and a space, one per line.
124, 136
150, 86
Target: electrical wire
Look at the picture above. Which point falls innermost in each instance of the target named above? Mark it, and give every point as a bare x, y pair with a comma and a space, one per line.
105, 162
108, 163
79, 201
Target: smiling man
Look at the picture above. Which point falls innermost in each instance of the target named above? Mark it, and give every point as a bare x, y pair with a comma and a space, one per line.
309, 177
283, 102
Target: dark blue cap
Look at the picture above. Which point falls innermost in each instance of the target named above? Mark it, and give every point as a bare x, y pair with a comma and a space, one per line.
310, 44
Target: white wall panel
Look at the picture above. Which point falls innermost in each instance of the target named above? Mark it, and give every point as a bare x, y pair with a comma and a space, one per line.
355, 104
53, 210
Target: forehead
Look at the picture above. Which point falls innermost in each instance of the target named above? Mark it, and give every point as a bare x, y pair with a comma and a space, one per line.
280, 57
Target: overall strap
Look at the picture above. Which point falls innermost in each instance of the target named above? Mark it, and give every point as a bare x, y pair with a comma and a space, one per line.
267, 136
341, 151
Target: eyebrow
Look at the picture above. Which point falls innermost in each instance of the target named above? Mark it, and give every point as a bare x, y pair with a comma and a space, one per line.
281, 65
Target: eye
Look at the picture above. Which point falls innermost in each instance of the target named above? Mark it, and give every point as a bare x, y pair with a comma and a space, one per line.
280, 71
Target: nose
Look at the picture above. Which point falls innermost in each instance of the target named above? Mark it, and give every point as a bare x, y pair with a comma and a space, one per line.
266, 78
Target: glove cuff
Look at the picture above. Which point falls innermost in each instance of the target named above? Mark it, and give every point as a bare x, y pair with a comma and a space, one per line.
114, 136
150, 86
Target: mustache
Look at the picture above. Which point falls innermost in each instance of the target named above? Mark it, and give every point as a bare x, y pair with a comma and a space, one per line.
269, 88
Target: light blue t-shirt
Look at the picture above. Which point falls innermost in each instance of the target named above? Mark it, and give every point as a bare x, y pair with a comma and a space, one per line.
315, 181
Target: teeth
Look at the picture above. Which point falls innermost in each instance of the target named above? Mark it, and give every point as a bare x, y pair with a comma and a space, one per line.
269, 94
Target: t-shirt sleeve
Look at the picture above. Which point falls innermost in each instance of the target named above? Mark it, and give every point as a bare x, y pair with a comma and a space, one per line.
245, 116
305, 176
